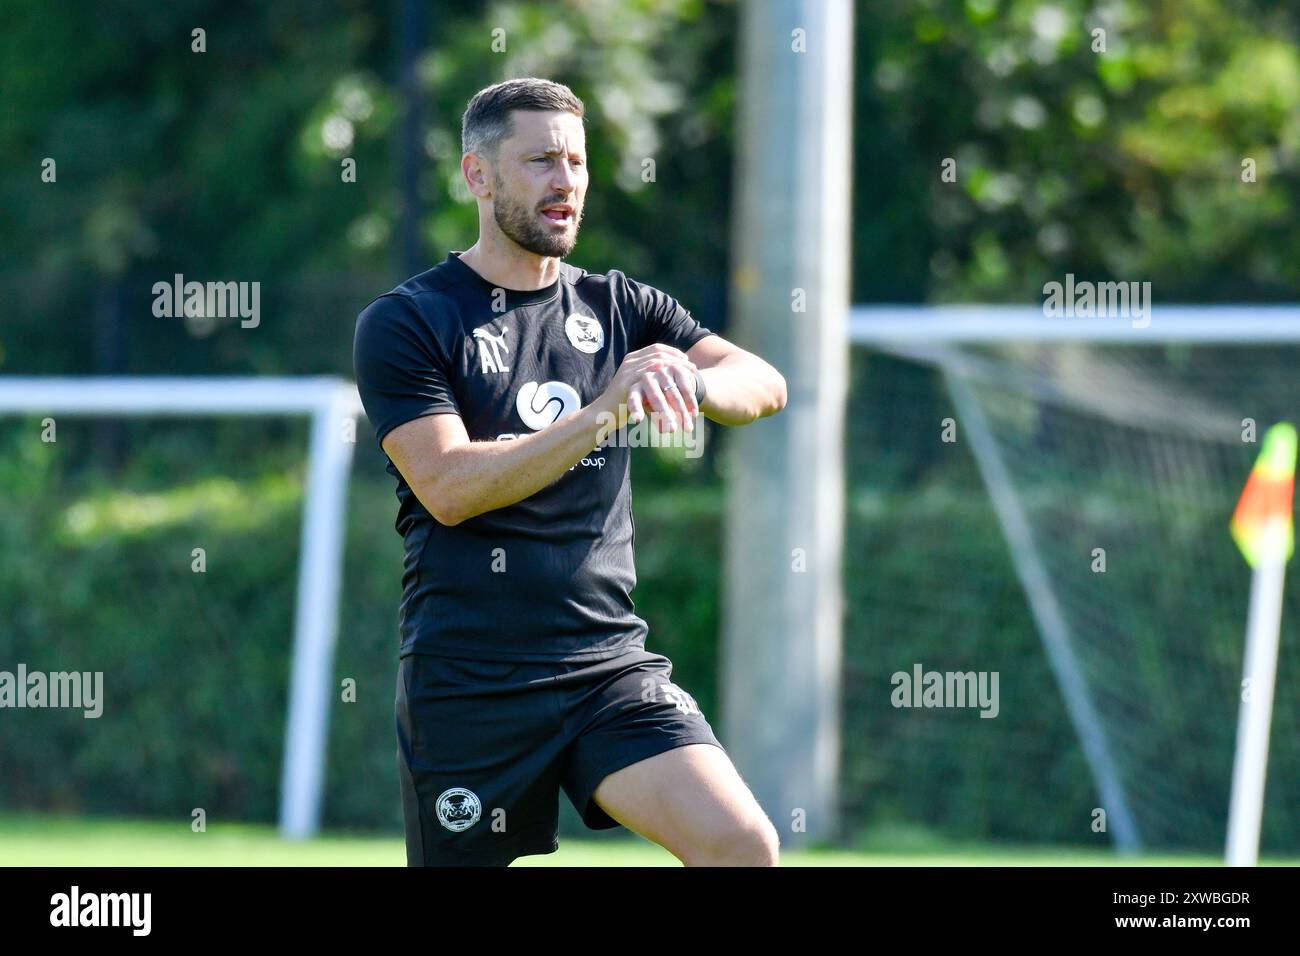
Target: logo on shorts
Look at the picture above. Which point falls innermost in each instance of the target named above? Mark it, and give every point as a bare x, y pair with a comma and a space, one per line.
585, 333
458, 809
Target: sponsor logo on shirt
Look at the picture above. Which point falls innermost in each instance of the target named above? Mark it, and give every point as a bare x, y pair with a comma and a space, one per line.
544, 404
585, 333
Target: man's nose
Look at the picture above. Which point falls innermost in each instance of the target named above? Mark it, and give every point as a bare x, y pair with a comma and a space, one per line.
566, 179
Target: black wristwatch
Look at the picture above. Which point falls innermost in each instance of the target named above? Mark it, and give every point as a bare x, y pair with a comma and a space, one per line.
699, 390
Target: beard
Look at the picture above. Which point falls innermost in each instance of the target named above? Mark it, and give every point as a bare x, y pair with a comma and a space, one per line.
520, 224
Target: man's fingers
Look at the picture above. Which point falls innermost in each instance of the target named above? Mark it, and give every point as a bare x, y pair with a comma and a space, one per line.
652, 362
655, 395
658, 348
635, 406
685, 379
664, 380
668, 383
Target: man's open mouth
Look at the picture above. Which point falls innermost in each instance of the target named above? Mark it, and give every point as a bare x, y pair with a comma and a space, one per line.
558, 213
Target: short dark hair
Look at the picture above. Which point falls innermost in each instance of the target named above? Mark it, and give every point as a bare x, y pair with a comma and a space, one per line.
487, 118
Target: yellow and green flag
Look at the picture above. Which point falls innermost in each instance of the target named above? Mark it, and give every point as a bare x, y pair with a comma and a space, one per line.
1269, 495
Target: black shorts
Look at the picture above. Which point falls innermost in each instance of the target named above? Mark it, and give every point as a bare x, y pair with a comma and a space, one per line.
484, 747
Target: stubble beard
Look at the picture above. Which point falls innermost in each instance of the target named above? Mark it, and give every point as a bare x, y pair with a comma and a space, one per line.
519, 223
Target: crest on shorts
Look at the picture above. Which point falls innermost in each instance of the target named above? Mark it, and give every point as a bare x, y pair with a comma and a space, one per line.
585, 333
458, 809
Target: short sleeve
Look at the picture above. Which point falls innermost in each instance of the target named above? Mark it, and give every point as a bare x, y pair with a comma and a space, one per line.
663, 319
402, 371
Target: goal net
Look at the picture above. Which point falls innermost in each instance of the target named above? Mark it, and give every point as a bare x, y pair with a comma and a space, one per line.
1049, 499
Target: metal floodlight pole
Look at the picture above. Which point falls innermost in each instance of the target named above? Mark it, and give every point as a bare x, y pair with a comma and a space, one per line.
784, 530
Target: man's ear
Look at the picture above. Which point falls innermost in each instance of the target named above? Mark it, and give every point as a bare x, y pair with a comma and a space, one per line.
476, 175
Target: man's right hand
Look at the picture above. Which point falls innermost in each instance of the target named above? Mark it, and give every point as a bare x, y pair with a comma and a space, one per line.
658, 376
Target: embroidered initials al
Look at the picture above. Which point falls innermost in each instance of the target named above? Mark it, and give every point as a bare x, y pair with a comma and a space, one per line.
491, 350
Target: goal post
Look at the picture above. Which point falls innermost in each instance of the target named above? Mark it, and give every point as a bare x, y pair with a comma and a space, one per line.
975, 324
1070, 418
333, 406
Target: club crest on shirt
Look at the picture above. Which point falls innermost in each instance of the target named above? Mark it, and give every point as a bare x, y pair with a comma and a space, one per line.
584, 332
458, 809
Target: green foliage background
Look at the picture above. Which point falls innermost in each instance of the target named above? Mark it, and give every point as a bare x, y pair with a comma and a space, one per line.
1120, 164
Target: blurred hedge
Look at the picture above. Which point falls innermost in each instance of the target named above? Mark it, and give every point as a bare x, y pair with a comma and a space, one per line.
196, 665
95, 575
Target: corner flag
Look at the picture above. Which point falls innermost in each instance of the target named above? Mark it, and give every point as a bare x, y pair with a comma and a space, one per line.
1268, 497
1264, 530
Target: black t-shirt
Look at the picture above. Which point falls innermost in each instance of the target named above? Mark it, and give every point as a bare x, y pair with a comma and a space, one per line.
548, 578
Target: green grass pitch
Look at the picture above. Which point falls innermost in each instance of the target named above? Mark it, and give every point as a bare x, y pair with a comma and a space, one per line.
38, 840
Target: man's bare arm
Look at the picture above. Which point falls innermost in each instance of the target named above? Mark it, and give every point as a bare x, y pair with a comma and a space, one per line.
739, 387
456, 479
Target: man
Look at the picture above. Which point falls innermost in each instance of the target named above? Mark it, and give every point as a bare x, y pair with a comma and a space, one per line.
498, 383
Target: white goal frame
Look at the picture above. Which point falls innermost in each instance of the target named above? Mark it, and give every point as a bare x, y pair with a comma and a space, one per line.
331, 404
926, 333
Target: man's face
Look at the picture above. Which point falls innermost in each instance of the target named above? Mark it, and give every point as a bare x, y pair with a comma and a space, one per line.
543, 164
